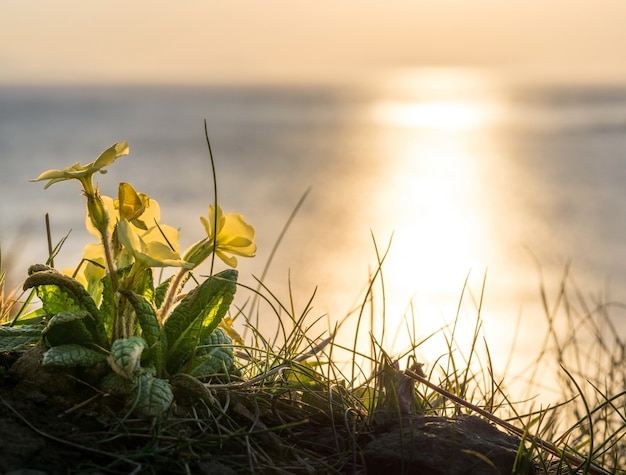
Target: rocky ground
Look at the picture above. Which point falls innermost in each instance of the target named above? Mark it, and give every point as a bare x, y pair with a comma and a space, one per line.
51, 423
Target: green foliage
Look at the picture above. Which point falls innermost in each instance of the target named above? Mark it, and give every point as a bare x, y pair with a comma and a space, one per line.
153, 335
19, 338
197, 316
214, 356
153, 396
73, 310
59, 292
77, 336
70, 327
111, 313
72, 355
125, 356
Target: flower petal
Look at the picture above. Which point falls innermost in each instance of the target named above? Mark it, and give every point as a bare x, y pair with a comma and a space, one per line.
130, 205
111, 154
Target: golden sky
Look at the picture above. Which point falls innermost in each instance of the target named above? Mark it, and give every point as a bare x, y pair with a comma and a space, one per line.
236, 40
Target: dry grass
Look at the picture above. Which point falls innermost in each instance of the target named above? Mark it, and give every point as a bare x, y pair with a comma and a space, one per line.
302, 400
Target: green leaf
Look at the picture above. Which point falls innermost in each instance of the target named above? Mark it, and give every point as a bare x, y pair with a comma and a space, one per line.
147, 285
18, 338
197, 315
114, 384
106, 305
125, 357
189, 385
32, 318
60, 293
150, 328
152, 396
54, 299
76, 326
215, 356
107, 308
72, 355
161, 291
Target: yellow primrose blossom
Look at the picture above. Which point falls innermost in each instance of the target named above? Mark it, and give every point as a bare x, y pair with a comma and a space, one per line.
160, 241
233, 236
83, 173
227, 325
132, 205
96, 211
146, 228
150, 253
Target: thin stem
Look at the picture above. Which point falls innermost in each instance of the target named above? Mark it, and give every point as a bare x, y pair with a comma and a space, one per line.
208, 143
118, 325
49, 234
171, 293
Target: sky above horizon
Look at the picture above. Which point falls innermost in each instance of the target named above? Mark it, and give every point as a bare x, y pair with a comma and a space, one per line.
72, 41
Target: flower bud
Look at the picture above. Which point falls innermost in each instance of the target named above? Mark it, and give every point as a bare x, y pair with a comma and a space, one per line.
199, 251
97, 212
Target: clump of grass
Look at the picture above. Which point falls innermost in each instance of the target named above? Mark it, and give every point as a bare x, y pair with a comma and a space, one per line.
583, 355
582, 432
7, 299
302, 401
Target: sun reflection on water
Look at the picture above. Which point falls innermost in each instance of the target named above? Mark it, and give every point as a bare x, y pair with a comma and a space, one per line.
441, 150
438, 115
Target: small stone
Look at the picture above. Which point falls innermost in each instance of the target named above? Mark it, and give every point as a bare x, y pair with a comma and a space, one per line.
442, 446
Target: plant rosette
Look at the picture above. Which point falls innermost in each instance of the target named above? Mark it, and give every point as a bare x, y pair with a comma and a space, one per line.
109, 311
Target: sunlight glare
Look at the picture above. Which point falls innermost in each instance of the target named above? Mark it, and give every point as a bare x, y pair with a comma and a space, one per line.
433, 114
443, 99
438, 139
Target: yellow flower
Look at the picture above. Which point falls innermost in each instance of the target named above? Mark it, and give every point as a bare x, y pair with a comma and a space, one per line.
227, 325
95, 208
148, 252
131, 205
233, 236
155, 246
143, 214
84, 173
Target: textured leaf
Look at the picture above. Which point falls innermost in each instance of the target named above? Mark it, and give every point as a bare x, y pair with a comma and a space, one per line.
161, 291
114, 384
192, 387
214, 356
72, 355
144, 311
147, 285
106, 305
68, 295
150, 328
152, 396
60, 293
125, 357
197, 316
17, 338
76, 326
55, 300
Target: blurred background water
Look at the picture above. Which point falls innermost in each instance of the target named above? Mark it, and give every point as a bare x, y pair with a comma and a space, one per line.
463, 175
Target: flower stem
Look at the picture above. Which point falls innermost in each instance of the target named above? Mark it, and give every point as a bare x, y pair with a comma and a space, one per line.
171, 294
118, 325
